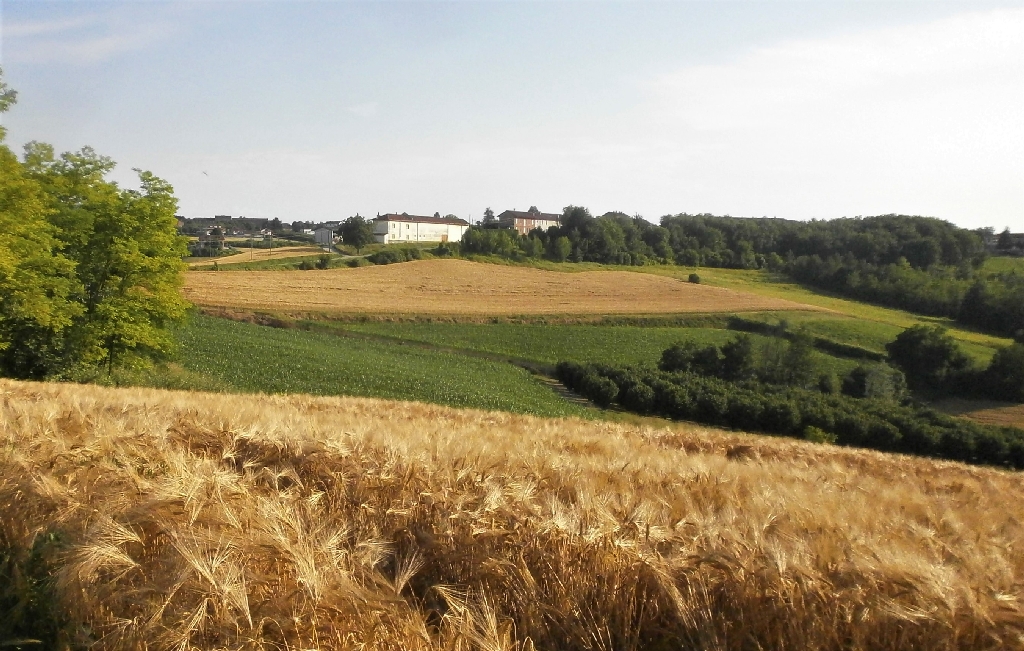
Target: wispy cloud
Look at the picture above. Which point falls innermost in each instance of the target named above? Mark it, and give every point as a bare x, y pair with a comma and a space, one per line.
44, 27
91, 38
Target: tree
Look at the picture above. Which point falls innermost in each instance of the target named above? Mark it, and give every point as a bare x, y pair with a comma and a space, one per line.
1005, 373
739, 358
489, 217
560, 248
1005, 241
799, 359
356, 231
126, 254
928, 356
35, 278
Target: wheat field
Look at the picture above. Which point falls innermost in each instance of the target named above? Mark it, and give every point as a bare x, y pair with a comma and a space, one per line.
173, 520
987, 412
460, 287
259, 255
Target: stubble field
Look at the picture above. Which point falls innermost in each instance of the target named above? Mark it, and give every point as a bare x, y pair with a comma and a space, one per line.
259, 255
459, 287
190, 520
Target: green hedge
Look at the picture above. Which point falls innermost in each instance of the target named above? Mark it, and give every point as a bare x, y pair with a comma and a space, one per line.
790, 411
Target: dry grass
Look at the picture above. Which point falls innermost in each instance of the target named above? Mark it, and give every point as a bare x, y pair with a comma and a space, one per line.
989, 412
229, 522
459, 287
259, 255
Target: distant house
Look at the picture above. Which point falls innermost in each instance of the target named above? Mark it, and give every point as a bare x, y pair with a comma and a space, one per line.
391, 228
209, 242
1005, 243
524, 222
324, 235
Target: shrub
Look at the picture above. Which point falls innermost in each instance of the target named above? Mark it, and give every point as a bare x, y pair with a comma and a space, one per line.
817, 435
694, 278
601, 390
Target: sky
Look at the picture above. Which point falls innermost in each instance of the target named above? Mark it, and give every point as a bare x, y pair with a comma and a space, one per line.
321, 110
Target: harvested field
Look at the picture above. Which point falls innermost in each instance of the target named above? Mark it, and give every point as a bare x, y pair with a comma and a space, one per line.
259, 255
460, 287
989, 412
137, 518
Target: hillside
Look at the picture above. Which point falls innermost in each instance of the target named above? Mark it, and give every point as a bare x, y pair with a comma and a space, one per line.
190, 520
467, 288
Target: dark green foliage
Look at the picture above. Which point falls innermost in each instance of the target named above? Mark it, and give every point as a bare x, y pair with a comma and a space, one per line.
915, 263
28, 605
929, 357
691, 357
1005, 375
739, 359
877, 381
693, 278
391, 255
792, 411
829, 383
356, 231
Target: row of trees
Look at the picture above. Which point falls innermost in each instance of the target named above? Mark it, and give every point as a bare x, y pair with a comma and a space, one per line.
934, 363
791, 411
90, 273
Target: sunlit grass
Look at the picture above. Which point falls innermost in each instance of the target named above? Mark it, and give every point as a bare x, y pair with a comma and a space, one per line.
249, 357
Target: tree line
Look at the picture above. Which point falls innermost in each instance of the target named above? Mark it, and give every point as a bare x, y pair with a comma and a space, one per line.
90, 273
920, 264
776, 390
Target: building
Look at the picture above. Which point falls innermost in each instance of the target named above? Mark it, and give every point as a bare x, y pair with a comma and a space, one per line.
524, 222
323, 235
210, 242
391, 228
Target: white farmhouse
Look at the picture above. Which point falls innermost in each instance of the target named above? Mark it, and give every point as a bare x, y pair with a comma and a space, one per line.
391, 228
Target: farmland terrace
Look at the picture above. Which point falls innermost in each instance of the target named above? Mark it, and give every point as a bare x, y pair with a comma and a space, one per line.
468, 288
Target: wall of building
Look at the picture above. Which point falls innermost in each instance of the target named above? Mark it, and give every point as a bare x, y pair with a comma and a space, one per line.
388, 232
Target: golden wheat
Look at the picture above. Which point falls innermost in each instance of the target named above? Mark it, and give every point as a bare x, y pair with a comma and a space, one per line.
989, 412
259, 255
460, 287
291, 522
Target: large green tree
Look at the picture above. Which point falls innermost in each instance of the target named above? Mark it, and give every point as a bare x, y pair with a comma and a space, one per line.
35, 279
929, 357
126, 251
356, 231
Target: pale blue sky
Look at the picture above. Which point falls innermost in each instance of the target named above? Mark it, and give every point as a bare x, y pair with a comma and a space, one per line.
319, 110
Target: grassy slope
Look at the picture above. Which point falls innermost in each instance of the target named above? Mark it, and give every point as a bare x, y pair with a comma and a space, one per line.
190, 520
258, 358
550, 344
862, 324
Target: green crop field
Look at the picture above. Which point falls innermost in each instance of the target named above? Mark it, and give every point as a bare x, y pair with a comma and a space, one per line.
877, 323
1003, 264
549, 344
249, 357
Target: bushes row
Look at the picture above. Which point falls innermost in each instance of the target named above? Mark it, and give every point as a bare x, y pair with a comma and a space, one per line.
395, 254
790, 411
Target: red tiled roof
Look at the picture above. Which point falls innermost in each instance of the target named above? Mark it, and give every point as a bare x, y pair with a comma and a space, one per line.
391, 217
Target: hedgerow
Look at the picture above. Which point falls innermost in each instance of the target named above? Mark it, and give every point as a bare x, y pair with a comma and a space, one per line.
792, 411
